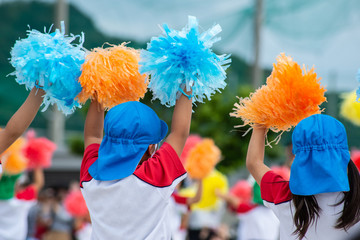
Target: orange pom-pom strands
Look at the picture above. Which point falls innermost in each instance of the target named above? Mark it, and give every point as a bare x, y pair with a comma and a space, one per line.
290, 95
14, 163
111, 76
202, 159
13, 160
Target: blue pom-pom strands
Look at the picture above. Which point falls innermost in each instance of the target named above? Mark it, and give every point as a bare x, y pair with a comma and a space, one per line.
52, 62
184, 59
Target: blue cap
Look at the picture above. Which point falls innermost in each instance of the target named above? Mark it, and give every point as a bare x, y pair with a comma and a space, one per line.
321, 156
129, 128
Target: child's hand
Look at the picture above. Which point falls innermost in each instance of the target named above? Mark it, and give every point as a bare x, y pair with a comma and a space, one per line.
219, 193
259, 126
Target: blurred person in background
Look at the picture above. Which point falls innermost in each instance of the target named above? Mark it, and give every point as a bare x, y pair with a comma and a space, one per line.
75, 205
39, 215
83, 228
62, 223
179, 211
205, 217
16, 199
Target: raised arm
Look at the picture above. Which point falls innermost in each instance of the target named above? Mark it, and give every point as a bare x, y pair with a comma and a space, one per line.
21, 120
230, 199
255, 154
198, 194
39, 179
94, 124
180, 125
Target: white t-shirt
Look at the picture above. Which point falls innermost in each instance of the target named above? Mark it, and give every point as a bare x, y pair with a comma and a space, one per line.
134, 207
276, 194
13, 215
258, 222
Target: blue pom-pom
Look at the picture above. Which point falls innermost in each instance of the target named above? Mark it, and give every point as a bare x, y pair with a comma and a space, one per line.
51, 62
184, 60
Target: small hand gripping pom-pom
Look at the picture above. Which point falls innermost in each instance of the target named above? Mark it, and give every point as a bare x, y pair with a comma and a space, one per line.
50, 61
290, 95
111, 76
183, 60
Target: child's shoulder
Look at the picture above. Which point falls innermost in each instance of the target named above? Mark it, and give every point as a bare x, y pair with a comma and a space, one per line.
162, 169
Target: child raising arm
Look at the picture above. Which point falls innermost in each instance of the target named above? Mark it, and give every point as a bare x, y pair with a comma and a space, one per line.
135, 182
321, 200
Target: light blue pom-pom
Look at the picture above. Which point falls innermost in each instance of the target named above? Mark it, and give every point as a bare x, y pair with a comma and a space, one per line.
50, 61
184, 60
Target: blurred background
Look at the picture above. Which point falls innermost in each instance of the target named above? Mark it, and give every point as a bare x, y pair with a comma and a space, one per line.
323, 33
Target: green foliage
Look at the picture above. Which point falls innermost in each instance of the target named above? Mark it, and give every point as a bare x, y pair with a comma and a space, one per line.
212, 120
76, 144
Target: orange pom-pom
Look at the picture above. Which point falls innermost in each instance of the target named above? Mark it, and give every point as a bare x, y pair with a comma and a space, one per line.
13, 160
202, 159
291, 94
111, 76
14, 163
191, 142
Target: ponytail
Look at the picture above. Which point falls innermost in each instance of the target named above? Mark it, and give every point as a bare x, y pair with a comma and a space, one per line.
307, 211
351, 213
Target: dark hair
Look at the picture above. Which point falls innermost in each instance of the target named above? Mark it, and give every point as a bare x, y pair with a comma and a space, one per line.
307, 209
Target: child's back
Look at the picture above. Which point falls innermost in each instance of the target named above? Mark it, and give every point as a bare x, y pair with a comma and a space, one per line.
127, 190
321, 200
279, 200
135, 206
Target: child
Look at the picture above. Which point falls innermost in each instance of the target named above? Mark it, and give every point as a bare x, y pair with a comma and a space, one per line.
21, 120
127, 186
179, 211
206, 215
16, 203
321, 200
